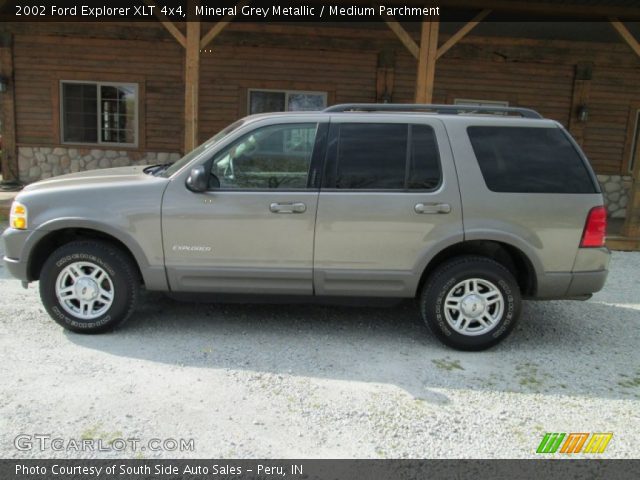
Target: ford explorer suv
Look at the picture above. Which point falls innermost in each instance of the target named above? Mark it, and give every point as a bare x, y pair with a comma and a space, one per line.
468, 210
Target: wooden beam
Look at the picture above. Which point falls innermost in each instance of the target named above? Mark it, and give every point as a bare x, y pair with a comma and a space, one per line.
191, 81
8, 111
626, 35
403, 35
427, 61
168, 24
218, 27
460, 34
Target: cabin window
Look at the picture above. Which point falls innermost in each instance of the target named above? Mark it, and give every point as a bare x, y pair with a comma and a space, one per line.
262, 101
99, 113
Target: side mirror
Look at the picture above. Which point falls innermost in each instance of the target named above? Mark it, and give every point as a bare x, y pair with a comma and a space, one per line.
198, 181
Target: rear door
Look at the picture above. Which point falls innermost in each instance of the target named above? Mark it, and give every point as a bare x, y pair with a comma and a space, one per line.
389, 202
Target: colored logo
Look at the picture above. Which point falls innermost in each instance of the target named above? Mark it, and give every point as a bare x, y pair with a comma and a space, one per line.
574, 443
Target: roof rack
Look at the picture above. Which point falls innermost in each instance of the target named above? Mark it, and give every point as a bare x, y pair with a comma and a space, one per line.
439, 109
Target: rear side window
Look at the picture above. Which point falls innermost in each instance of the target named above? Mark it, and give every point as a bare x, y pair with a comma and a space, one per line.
424, 171
529, 160
371, 156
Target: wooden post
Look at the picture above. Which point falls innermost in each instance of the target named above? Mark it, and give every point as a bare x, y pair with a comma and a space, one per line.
631, 226
192, 44
427, 61
580, 97
8, 110
192, 80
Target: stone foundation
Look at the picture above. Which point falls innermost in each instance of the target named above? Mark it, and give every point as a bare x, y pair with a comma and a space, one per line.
38, 163
615, 189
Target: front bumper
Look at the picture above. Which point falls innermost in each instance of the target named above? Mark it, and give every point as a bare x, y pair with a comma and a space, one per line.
17, 245
16, 268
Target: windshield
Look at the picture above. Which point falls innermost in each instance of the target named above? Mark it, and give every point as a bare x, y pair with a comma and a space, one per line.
194, 153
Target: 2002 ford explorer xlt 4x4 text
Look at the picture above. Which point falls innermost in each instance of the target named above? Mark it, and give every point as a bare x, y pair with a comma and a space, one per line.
467, 209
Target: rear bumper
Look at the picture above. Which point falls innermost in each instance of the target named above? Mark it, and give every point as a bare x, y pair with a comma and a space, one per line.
561, 285
589, 274
586, 283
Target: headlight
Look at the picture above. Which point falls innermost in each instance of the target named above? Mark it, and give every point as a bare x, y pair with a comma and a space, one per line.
18, 216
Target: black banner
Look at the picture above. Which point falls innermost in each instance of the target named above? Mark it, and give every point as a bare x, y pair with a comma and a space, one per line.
316, 469
302, 11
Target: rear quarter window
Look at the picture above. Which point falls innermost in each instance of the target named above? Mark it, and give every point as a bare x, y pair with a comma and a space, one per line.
529, 160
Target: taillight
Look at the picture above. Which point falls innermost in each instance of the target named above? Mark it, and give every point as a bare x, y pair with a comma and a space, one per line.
595, 229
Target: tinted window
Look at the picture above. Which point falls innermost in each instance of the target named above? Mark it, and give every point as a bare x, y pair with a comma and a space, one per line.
530, 160
272, 157
424, 173
371, 156
375, 156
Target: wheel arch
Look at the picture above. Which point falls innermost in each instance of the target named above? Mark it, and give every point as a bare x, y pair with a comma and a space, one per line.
507, 254
72, 231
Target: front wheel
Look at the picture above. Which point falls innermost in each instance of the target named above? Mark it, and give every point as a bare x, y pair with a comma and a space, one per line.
89, 286
470, 303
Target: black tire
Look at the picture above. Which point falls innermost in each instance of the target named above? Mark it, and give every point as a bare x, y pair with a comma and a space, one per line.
122, 281
444, 281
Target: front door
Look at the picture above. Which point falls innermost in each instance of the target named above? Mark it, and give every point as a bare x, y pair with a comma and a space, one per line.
252, 232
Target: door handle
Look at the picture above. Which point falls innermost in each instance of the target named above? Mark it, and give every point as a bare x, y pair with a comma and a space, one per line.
288, 208
432, 208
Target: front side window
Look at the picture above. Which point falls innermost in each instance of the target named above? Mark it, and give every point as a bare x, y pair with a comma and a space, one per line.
273, 157
99, 113
372, 156
262, 101
529, 160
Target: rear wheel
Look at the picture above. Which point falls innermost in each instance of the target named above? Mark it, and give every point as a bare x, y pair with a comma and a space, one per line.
89, 286
470, 303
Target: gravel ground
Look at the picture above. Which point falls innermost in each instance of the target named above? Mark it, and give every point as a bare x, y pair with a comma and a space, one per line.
282, 381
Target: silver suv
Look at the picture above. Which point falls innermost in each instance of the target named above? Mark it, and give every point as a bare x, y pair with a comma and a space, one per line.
466, 209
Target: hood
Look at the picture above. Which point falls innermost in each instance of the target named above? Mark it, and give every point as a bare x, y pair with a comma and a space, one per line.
92, 177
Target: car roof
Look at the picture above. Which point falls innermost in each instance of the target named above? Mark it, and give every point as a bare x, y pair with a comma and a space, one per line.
504, 115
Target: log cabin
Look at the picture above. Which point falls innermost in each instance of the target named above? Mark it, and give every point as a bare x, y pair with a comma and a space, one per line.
77, 96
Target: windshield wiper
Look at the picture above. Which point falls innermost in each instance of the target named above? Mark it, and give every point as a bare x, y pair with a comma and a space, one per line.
157, 169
